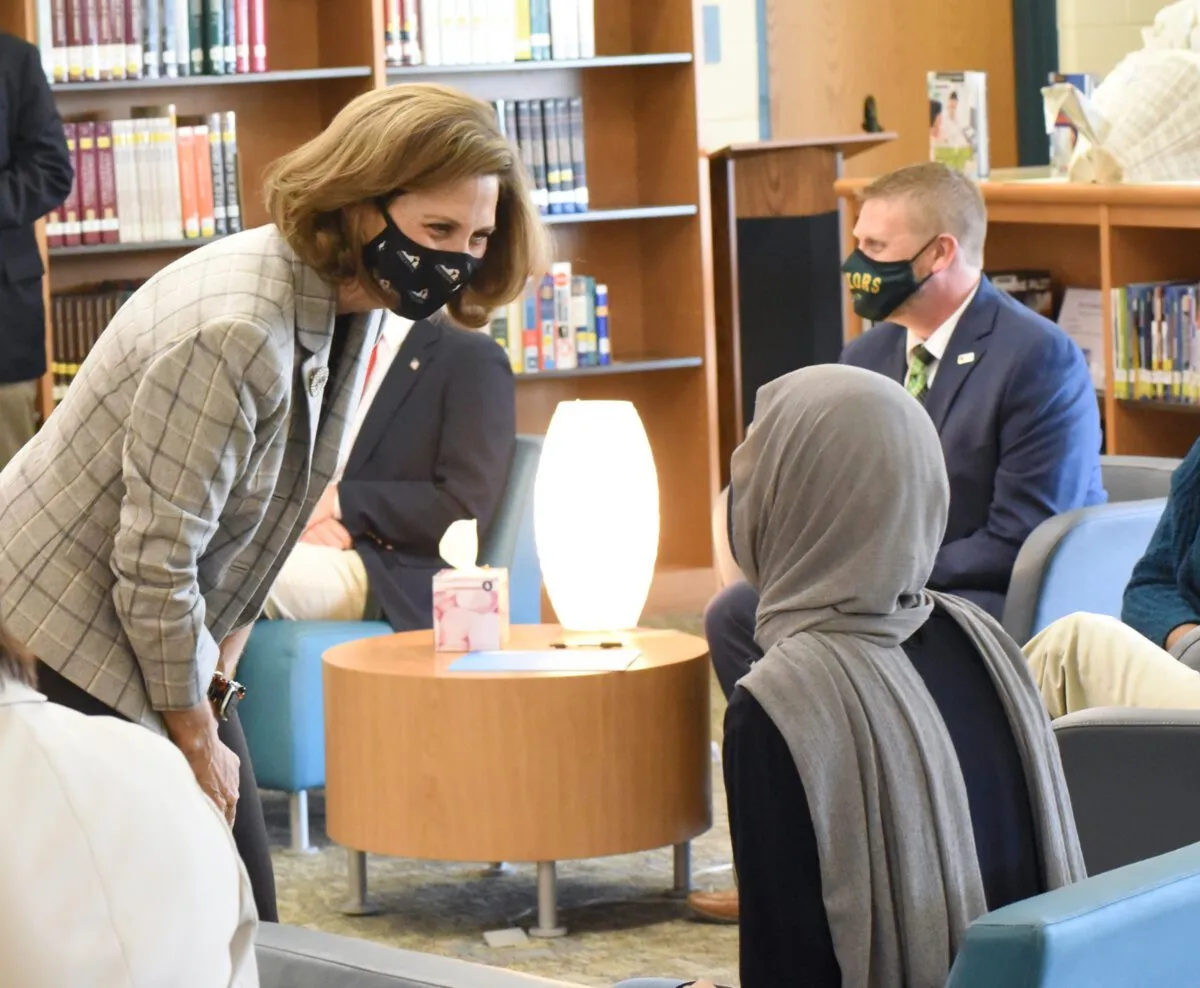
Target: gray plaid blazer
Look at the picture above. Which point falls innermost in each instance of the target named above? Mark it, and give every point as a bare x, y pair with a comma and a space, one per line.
150, 515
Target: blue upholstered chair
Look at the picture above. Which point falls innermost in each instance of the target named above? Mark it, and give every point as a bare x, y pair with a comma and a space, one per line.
1134, 926
284, 715
1079, 561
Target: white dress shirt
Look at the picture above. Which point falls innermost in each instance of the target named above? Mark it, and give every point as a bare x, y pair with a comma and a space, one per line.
391, 338
116, 871
938, 340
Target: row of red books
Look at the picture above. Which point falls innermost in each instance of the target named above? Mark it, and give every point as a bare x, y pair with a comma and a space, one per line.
103, 40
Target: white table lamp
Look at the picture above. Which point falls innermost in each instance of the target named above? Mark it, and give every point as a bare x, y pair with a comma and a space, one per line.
595, 510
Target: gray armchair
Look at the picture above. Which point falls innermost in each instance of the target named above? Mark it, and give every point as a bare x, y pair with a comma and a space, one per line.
1136, 478
294, 957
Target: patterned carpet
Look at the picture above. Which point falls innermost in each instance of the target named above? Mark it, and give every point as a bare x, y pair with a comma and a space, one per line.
621, 923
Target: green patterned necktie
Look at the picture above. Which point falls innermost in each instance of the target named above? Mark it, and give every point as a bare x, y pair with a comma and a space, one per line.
917, 382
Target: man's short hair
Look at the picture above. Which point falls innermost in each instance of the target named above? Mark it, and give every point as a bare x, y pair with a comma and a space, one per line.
15, 661
940, 200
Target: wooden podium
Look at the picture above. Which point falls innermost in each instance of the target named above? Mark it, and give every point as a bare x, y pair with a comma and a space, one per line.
777, 256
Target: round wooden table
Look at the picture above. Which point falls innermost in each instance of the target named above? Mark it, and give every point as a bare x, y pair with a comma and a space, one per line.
422, 762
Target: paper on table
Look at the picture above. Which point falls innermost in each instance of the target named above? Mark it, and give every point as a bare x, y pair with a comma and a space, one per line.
460, 544
548, 660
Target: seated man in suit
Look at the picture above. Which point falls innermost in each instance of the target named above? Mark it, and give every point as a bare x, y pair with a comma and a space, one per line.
1009, 393
431, 444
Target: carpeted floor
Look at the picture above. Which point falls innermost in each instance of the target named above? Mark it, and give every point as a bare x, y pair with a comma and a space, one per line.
620, 921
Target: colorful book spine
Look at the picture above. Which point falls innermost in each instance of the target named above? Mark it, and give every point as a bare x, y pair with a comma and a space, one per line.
60, 57
214, 37
104, 38
539, 29
578, 155
117, 18
91, 40
204, 182
543, 110
229, 10
565, 356
189, 196
393, 21
430, 16
217, 167
241, 18
583, 319
603, 342
171, 40
523, 49
73, 10
196, 16
134, 27
106, 182
233, 212
89, 188
531, 333
546, 322
152, 41
258, 35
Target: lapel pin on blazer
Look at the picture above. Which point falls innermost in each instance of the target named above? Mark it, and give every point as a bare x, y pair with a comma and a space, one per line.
414, 364
316, 380
966, 358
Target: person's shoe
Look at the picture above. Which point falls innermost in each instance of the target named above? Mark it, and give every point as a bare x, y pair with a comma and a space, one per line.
717, 907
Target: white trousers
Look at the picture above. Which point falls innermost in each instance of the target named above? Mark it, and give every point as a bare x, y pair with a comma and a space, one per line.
319, 583
1090, 660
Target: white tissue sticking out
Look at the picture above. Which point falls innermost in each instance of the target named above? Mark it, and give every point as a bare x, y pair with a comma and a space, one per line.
460, 545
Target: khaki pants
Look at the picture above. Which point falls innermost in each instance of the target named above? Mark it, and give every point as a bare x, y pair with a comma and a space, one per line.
1089, 660
319, 583
18, 417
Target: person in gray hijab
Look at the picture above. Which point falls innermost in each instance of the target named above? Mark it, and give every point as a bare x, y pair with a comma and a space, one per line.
890, 769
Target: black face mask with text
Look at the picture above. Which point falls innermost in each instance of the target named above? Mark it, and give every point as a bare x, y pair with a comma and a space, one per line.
879, 288
423, 279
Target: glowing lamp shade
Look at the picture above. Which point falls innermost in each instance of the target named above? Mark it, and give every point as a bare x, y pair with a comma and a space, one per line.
595, 515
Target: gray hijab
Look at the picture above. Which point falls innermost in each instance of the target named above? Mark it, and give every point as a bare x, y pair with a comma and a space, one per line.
840, 500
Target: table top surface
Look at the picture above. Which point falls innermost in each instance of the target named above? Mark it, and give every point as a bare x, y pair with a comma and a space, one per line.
411, 653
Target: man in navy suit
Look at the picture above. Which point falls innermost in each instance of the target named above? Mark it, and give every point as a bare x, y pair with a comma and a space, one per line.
431, 444
1009, 392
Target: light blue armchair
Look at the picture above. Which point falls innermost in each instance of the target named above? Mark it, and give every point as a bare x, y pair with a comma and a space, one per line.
284, 716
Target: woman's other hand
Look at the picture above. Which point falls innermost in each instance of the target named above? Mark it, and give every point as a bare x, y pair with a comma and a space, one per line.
194, 732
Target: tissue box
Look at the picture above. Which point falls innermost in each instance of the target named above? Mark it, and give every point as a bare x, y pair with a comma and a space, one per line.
470, 609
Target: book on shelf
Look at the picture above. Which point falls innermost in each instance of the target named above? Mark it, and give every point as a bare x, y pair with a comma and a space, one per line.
77, 318
107, 40
958, 121
1064, 134
153, 177
550, 138
1032, 288
560, 322
484, 32
1156, 342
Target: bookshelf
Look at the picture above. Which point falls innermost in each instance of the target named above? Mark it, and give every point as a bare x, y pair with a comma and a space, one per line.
1095, 236
646, 234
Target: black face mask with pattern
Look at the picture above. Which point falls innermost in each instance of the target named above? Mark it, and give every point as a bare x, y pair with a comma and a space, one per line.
422, 279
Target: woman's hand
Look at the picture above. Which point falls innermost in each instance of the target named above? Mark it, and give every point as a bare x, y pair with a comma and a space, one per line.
330, 532
324, 508
194, 732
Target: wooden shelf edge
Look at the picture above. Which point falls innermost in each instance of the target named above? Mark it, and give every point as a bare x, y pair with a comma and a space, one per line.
397, 73
1153, 405
140, 247
613, 215
642, 366
237, 79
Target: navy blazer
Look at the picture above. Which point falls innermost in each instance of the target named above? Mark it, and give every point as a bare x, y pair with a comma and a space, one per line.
35, 177
1016, 410
435, 447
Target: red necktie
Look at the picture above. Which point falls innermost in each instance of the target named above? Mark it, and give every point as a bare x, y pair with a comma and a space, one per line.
370, 367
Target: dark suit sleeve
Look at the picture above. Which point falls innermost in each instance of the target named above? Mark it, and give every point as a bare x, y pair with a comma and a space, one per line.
478, 434
1049, 456
1154, 603
38, 175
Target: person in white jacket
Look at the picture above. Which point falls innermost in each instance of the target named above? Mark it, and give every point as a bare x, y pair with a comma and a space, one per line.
95, 891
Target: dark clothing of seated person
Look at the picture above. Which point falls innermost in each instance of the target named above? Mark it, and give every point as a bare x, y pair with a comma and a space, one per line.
890, 770
431, 444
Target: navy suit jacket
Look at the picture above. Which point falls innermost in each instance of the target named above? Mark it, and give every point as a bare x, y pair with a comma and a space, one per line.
35, 177
435, 447
1020, 427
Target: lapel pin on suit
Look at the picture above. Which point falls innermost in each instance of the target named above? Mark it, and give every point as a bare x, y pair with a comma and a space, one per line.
316, 380
414, 364
966, 358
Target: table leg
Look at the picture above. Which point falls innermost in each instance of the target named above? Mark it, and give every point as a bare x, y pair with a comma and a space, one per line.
547, 920
358, 904
683, 870
298, 819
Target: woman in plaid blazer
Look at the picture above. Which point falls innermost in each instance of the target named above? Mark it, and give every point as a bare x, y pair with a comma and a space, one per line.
142, 528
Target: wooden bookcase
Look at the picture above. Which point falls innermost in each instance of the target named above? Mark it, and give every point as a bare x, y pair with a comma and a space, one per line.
647, 235
1094, 236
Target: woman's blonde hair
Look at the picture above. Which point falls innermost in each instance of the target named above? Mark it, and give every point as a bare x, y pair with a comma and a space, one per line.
410, 137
